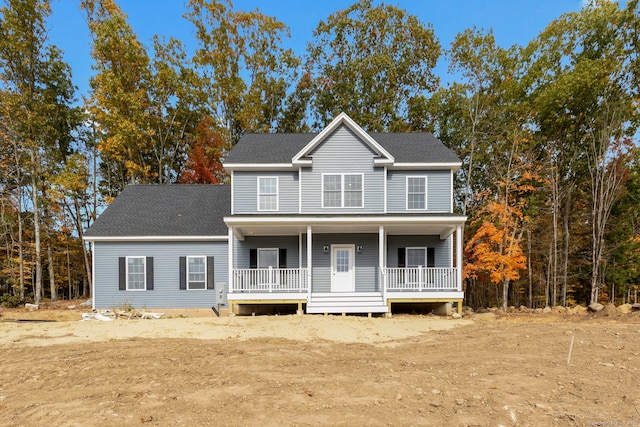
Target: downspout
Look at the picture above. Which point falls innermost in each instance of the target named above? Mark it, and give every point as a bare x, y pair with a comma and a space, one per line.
383, 277
459, 256
93, 275
230, 247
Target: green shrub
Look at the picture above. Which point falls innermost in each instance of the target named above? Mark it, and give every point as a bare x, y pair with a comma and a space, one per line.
11, 301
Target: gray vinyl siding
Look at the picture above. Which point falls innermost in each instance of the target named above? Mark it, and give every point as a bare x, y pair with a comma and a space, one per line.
166, 291
442, 253
245, 192
242, 248
365, 263
438, 190
343, 152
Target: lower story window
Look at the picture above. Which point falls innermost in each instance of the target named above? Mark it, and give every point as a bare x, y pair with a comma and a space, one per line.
267, 258
136, 273
416, 257
197, 272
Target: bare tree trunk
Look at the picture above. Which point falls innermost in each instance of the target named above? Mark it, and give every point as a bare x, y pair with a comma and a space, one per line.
20, 244
69, 272
20, 220
608, 174
87, 264
36, 226
529, 268
566, 236
52, 278
553, 256
505, 294
474, 121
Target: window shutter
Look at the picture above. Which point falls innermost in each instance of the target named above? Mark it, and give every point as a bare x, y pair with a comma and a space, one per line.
210, 272
431, 257
122, 273
183, 273
282, 258
149, 273
401, 257
253, 258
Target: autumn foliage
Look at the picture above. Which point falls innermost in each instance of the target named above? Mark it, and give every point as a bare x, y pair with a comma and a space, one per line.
204, 164
495, 249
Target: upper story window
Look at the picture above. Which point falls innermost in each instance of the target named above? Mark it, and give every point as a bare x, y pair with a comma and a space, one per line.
416, 192
268, 193
136, 278
342, 190
197, 272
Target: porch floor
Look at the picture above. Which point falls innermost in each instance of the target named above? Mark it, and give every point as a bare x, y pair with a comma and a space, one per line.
343, 302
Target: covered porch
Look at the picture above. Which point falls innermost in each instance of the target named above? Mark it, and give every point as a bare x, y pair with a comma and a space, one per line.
347, 264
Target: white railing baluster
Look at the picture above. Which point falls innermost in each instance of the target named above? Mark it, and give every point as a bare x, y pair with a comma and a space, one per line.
419, 279
270, 280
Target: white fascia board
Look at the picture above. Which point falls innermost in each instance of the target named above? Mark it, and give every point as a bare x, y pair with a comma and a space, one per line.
355, 219
156, 238
423, 166
258, 166
382, 162
342, 118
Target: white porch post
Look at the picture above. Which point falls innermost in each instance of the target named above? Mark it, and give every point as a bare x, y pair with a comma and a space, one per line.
309, 261
381, 263
299, 250
230, 259
300, 261
459, 256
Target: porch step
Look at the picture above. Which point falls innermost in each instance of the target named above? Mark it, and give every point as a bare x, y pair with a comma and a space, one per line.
351, 302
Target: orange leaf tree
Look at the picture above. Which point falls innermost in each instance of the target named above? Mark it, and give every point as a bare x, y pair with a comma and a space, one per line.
495, 250
204, 164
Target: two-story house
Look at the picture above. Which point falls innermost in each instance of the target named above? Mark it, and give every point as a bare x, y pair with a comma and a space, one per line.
342, 221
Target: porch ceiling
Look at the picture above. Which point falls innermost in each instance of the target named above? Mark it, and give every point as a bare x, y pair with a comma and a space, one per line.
443, 225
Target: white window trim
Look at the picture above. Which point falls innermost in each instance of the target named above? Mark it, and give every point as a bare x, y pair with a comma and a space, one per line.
342, 191
407, 192
268, 249
144, 270
205, 272
406, 256
277, 194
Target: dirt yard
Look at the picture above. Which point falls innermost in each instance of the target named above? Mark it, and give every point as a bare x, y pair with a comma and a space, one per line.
483, 370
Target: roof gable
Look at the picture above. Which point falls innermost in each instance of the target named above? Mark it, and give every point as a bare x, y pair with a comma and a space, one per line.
277, 151
342, 120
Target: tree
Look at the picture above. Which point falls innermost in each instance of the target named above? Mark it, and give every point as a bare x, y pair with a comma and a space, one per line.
247, 73
580, 72
370, 62
204, 164
119, 101
176, 106
37, 94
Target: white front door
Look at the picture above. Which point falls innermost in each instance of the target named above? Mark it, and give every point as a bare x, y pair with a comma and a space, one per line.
342, 271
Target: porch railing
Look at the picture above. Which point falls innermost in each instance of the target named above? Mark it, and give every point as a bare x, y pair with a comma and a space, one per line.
270, 280
420, 279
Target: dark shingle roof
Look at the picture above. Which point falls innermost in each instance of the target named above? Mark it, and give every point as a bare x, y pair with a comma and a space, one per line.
165, 210
413, 147
268, 147
281, 148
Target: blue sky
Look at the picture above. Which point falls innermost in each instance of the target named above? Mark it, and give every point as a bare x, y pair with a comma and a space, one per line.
512, 21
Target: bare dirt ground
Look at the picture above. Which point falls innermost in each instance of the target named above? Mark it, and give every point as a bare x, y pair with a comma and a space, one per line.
320, 370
